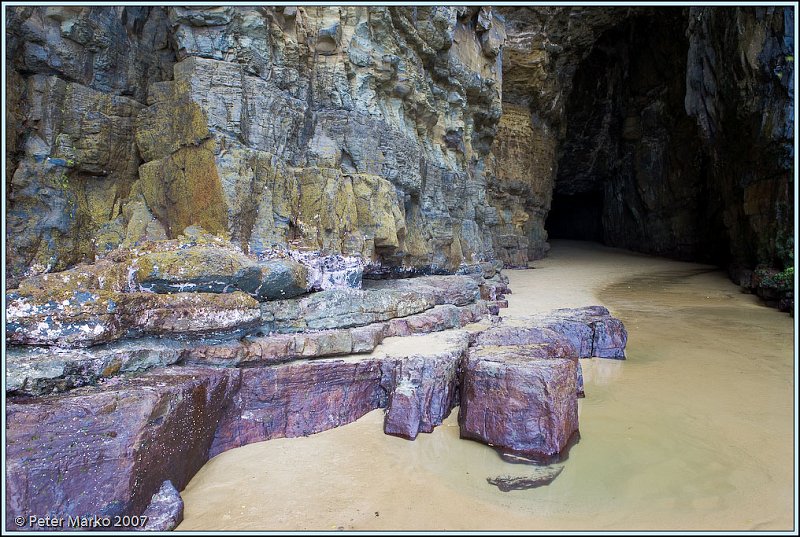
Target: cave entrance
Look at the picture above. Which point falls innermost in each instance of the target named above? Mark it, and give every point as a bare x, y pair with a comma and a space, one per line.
632, 171
576, 217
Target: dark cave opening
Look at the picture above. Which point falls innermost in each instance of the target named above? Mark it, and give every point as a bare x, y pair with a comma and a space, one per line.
576, 217
632, 171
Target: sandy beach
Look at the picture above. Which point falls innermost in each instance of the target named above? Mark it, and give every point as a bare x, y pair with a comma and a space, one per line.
692, 432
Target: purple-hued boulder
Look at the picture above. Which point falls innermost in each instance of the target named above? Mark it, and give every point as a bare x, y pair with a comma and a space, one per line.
422, 388
520, 399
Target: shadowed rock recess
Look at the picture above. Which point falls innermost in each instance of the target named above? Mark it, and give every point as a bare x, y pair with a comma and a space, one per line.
232, 224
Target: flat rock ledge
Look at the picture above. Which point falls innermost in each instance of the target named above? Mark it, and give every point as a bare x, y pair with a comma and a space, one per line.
101, 429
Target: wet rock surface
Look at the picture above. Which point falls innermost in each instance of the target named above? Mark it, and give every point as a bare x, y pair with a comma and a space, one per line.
165, 511
304, 397
521, 398
540, 478
107, 449
591, 330
523, 376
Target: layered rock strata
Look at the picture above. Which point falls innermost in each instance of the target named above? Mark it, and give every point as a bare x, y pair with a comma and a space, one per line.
342, 130
415, 138
119, 419
94, 421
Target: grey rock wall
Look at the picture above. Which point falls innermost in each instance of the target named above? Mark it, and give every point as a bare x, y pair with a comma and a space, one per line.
355, 130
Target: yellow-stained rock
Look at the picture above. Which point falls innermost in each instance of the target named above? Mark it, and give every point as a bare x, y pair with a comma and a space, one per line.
184, 189
379, 214
165, 127
327, 215
523, 160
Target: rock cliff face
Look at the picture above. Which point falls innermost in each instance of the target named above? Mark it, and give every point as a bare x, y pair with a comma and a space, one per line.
195, 194
359, 130
417, 138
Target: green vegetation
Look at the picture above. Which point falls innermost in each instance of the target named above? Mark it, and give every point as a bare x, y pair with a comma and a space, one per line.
781, 281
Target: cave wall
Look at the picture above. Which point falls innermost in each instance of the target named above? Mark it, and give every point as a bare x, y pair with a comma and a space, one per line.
76, 79
354, 130
675, 124
520, 175
630, 143
740, 91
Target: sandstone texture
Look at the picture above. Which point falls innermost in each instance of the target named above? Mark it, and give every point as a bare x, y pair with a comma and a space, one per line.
522, 378
230, 224
520, 398
303, 397
102, 429
413, 139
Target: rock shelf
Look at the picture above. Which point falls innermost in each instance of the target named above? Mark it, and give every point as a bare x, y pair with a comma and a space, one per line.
114, 420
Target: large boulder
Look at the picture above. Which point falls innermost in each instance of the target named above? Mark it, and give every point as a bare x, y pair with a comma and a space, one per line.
520, 399
523, 376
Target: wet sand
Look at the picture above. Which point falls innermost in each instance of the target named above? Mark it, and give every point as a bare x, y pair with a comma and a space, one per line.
692, 432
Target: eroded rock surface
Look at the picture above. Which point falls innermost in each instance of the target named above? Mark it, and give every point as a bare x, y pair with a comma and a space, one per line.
341, 130
416, 386
107, 449
523, 376
517, 386
37, 371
